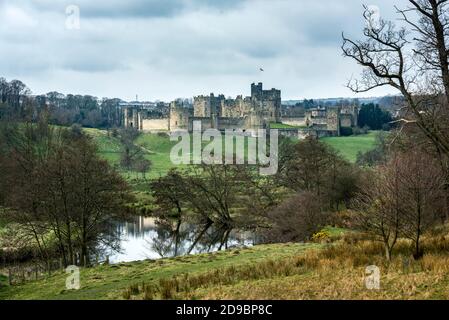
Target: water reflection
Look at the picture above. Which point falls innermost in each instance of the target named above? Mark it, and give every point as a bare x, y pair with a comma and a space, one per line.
146, 238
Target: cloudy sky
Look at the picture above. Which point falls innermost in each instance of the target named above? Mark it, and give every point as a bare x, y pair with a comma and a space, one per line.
165, 49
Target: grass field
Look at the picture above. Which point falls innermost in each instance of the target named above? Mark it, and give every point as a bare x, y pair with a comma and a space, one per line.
157, 149
334, 270
349, 147
110, 281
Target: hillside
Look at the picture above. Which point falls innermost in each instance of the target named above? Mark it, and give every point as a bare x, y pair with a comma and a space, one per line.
157, 148
350, 146
110, 281
335, 270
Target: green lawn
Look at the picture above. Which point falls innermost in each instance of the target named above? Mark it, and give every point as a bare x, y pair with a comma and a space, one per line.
349, 147
156, 147
109, 147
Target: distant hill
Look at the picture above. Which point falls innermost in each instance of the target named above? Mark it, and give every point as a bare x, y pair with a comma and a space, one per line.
390, 102
337, 100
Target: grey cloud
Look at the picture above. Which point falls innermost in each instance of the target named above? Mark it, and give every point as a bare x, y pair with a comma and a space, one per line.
129, 8
178, 47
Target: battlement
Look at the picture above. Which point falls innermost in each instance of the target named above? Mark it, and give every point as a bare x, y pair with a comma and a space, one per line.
258, 93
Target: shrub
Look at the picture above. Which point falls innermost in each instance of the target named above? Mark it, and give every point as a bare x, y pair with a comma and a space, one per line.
321, 236
296, 219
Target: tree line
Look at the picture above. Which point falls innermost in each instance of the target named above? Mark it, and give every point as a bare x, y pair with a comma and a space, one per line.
56, 192
17, 102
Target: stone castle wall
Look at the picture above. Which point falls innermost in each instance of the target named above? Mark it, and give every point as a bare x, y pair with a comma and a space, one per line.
247, 113
294, 121
155, 124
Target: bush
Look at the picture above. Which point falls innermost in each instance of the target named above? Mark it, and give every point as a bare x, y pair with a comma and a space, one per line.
296, 219
322, 236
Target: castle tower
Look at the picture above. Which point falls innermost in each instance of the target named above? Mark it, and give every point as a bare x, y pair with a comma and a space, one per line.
179, 118
257, 91
333, 119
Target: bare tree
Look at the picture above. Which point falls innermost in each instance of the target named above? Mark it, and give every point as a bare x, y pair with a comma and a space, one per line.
379, 206
403, 199
413, 60
315, 167
422, 183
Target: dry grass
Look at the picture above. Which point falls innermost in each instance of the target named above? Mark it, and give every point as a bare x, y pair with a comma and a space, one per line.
336, 272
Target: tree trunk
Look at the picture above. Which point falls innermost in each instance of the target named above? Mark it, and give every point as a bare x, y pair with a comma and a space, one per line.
388, 252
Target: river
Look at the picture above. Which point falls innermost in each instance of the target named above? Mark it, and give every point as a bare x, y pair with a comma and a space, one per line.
144, 238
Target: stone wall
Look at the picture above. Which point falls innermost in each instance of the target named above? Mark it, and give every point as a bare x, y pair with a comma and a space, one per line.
231, 123
265, 105
131, 118
295, 122
155, 124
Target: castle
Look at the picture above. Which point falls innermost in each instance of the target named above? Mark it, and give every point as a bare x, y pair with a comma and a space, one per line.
259, 111
250, 113
215, 112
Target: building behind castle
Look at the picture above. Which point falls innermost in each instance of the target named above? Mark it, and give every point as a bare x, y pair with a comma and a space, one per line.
330, 121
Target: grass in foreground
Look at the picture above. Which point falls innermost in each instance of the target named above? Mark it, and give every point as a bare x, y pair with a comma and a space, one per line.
338, 272
332, 272
282, 271
111, 281
349, 147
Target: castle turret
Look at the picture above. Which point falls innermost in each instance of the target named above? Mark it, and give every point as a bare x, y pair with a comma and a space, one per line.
257, 91
333, 119
179, 116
